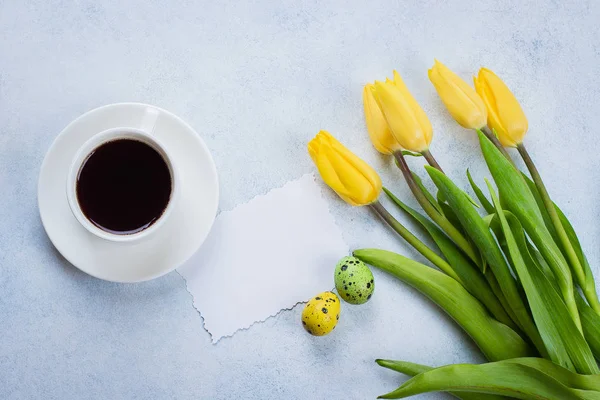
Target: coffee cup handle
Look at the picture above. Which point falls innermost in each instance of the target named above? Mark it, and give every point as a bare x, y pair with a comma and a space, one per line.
148, 122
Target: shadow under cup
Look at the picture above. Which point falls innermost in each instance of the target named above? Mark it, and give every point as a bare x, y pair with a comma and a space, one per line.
122, 184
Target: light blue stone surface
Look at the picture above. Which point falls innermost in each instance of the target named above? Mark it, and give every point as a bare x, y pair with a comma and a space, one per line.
258, 79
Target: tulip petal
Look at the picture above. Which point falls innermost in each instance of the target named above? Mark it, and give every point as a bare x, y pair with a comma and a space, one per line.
420, 115
509, 109
461, 100
377, 127
400, 117
350, 177
489, 99
358, 176
505, 113
313, 150
328, 171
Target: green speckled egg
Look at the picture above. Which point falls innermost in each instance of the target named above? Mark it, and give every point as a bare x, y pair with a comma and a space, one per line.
354, 280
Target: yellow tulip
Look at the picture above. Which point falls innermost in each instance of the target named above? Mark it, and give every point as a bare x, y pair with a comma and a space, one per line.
504, 111
461, 100
405, 118
350, 177
378, 129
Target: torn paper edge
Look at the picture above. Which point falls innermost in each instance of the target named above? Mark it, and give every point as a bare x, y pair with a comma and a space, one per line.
214, 342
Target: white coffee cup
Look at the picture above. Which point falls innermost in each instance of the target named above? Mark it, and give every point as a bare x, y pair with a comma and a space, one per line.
144, 134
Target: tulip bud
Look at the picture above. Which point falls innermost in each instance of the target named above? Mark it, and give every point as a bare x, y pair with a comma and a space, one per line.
350, 177
461, 100
378, 129
505, 115
405, 118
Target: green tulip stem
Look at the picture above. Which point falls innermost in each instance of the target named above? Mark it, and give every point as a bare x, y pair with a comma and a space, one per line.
413, 240
430, 210
490, 135
431, 160
588, 289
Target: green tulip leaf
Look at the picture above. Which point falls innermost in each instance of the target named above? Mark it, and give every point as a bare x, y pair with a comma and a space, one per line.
589, 286
427, 193
411, 153
563, 375
542, 265
412, 369
518, 198
451, 216
541, 207
479, 232
480, 196
539, 292
504, 378
442, 199
496, 340
590, 321
467, 273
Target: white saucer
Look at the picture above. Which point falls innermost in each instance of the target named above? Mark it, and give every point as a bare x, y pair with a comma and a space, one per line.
171, 245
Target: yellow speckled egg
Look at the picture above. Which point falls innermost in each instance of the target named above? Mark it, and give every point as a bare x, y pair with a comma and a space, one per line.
321, 314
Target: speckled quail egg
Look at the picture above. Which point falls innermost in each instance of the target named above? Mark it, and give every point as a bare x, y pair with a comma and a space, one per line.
321, 314
354, 280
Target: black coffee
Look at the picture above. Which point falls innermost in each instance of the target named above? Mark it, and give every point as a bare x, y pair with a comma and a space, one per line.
124, 186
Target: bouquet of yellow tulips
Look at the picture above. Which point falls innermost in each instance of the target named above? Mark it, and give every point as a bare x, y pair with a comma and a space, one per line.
509, 268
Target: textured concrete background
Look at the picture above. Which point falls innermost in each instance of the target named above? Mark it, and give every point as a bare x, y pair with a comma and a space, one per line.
257, 80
